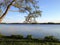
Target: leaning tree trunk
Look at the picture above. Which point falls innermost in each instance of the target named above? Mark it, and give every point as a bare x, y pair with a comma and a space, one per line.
4, 14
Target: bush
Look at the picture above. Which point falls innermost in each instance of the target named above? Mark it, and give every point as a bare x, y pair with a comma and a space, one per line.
29, 37
17, 36
51, 39
1, 36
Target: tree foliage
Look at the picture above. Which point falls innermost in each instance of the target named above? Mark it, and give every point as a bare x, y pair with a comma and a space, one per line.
28, 6
33, 15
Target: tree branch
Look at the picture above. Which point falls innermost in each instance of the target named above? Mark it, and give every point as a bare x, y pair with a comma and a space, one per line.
8, 7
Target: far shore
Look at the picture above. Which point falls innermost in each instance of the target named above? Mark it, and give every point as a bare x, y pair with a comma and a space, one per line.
29, 23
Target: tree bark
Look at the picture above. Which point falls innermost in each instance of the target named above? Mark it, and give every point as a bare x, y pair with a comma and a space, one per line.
4, 14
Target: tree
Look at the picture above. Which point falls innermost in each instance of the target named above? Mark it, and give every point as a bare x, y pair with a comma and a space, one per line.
31, 17
22, 5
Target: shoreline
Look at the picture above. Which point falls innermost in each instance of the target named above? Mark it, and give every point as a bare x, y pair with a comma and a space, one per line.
33, 23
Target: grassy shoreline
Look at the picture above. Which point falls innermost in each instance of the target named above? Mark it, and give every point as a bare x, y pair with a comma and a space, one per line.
26, 42
29, 40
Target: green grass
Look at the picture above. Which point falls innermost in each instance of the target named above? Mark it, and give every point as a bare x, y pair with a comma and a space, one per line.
28, 43
25, 42
29, 40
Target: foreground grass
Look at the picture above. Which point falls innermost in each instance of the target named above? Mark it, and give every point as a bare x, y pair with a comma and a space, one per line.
28, 40
28, 43
25, 42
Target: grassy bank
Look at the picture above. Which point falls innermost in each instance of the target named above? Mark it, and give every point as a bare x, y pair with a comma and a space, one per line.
28, 40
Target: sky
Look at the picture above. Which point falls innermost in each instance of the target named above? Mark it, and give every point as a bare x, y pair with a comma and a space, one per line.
50, 13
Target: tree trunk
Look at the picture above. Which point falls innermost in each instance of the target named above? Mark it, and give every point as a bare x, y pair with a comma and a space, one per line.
4, 14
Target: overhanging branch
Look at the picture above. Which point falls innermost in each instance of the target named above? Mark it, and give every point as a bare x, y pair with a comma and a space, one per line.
8, 7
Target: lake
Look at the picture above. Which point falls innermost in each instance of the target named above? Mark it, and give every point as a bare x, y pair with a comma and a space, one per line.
37, 30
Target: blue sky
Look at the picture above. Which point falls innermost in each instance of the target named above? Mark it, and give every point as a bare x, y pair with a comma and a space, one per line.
50, 12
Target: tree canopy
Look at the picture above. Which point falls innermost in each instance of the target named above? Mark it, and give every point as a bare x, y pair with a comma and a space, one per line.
29, 6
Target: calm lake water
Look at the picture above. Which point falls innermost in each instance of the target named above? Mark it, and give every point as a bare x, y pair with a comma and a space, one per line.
37, 30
